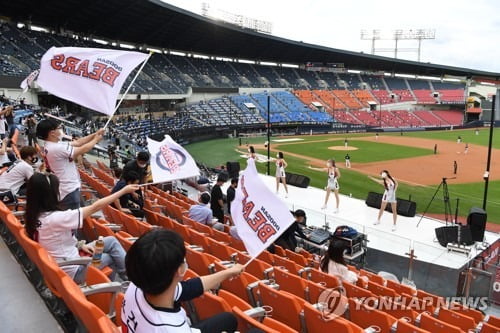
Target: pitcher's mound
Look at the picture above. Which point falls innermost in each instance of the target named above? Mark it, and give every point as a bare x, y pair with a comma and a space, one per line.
342, 148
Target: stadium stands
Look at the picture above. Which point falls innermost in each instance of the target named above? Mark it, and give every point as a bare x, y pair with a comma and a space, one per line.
291, 301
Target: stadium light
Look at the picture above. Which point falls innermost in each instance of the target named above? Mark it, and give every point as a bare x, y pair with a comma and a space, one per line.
397, 35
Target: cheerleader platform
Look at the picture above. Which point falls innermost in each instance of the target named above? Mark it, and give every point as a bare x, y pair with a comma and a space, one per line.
434, 268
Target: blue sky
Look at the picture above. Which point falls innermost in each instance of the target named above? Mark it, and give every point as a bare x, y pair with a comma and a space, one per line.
467, 32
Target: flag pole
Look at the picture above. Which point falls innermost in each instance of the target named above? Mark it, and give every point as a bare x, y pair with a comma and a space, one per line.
128, 88
249, 261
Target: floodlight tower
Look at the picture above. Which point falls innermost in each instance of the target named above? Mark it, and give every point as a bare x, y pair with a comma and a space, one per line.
396, 36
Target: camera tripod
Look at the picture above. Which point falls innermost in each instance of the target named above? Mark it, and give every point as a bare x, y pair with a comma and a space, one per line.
446, 200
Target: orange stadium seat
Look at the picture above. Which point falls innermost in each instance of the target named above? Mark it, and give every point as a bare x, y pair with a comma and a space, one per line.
494, 321
315, 322
285, 307
268, 325
291, 283
434, 325
457, 319
365, 316
404, 326
125, 239
89, 314
320, 277
488, 328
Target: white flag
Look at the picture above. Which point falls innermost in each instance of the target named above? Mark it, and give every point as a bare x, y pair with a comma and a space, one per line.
28, 81
259, 215
90, 77
169, 161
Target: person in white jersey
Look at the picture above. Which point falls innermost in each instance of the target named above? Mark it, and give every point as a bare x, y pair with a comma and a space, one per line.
156, 266
19, 172
60, 159
52, 228
332, 184
280, 173
389, 196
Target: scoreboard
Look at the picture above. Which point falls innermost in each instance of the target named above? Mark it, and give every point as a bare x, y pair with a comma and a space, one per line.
332, 67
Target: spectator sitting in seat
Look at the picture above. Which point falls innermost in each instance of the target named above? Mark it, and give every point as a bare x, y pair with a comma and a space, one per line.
203, 214
156, 266
15, 177
130, 203
52, 228
287, 239
333, 263
139, 165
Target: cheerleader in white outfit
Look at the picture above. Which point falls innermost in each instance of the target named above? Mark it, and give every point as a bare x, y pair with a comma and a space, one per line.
333, 182
251, 153
390, 185
280, 173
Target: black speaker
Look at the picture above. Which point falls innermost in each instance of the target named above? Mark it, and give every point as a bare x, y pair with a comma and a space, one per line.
477, 223
297, 180
374, 200
447, 235
233, 169
465, 236
405, 207
373, 107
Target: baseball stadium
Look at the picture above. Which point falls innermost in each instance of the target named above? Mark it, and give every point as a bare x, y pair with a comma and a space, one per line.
150, 143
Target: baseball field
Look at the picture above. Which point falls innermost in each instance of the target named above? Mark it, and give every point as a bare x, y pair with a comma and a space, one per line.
410, 157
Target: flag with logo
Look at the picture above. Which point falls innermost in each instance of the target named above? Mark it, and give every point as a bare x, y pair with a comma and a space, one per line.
28, 81
259, 215
86, 76
169, 161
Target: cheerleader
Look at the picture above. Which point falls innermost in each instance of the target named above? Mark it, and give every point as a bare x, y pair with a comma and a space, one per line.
251, 153
390, 185
332, 184
280, 173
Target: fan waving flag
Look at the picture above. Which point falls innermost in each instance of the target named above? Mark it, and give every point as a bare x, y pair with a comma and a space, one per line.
259, 215
169, 161
90, 77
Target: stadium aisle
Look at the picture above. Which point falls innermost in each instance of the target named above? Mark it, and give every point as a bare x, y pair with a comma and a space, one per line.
21, 308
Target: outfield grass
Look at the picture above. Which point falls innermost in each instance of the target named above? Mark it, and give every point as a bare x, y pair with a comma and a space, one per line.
467, 135
367, 151
217, 152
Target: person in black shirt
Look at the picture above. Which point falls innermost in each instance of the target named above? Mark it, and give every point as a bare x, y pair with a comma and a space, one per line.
139, 165
231, 193
31, 130
287, 239
130, 203
217, 200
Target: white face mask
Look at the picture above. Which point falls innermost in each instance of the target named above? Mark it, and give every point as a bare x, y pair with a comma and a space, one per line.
141, 165
383, 174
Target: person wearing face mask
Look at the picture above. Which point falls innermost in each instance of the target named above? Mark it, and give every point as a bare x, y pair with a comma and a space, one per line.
60, 159
15, 177
280, 173
139, 165
156, 265
390, 186
332, 184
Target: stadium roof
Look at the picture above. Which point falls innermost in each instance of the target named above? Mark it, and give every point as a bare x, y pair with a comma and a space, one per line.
155, 23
